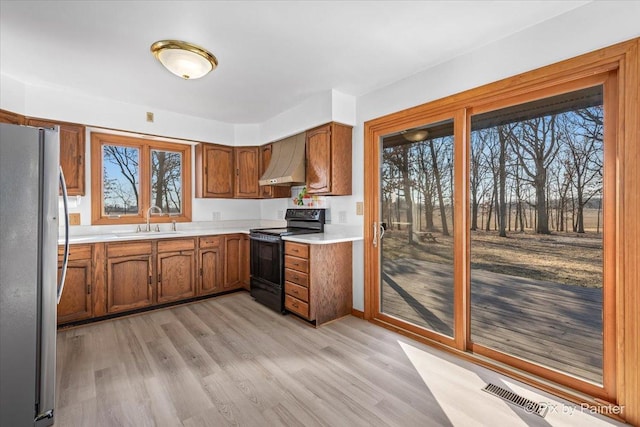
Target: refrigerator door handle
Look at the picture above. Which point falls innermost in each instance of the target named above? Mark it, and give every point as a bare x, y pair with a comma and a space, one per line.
65, 258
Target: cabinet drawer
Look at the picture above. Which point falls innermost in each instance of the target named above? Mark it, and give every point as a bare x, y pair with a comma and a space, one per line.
171, 245
296, 263
128, 249
210, 241
75, 252
296, 277
296, 306
297, 291
296, 249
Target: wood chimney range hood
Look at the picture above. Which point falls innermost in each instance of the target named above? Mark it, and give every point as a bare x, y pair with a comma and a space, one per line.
287, 165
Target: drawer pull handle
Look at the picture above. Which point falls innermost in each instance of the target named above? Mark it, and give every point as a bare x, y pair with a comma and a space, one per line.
294, 304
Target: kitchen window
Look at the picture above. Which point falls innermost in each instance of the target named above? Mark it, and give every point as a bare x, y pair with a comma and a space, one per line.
129, 175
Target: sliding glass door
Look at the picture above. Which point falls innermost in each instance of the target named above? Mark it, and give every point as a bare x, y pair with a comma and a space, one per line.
536, 227
416, 211
494, 229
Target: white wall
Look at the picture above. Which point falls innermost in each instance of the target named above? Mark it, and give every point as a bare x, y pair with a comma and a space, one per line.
590, 27
65, 105
12, 94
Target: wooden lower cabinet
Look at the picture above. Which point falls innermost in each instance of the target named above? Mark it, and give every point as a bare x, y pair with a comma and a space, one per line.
245, 264
118, 277
129, 276
211, 261
233, 262
176, 270
76, 302
318, 281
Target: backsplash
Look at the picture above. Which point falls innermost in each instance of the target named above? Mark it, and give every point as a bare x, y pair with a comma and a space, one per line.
301, 199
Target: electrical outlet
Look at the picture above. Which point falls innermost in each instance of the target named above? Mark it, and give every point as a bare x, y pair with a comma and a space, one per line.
342, 217
215, 216
74, 219
149, 116
359, 208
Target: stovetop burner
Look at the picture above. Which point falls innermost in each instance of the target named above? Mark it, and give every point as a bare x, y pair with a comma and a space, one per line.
299, 221
286, 231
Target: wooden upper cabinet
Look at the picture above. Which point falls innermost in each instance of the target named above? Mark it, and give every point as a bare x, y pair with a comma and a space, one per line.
247, 169
329, 160
270, 191
214, 171
72, 149
12, 118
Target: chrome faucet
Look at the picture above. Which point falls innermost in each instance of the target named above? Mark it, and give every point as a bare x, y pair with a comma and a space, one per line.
149, 216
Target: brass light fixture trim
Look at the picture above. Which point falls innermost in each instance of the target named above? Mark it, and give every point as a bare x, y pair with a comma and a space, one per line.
184, 59
415, 135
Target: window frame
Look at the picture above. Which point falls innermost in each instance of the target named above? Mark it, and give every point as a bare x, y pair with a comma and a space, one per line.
99, 140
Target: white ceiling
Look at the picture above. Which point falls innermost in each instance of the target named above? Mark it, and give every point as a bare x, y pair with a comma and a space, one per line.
272, 54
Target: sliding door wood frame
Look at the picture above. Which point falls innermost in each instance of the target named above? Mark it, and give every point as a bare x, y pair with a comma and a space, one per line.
621, 301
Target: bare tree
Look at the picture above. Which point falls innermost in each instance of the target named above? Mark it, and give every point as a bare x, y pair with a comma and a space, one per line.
424, 183
126, 160
584, 143
478, 173
436, 174
536, 148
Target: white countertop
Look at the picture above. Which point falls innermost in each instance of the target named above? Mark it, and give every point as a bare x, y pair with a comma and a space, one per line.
332, 234
123, 237
102, 234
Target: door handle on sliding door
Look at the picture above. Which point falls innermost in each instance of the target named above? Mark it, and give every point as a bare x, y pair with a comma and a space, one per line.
375, 234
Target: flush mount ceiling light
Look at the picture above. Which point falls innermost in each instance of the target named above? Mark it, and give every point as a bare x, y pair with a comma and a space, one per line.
415, 135
184, 59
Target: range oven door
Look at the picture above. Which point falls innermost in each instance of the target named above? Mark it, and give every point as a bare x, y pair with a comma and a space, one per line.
267, 271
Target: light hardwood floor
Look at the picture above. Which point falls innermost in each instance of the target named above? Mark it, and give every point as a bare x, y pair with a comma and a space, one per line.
230, 361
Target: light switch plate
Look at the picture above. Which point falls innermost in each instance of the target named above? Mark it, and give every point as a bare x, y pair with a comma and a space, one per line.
359, 208
74, 219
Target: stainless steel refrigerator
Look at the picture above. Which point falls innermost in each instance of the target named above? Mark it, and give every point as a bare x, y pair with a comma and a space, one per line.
29, 286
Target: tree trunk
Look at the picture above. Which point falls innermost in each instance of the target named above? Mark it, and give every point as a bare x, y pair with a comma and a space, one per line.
502, 175
436, 173
406, 184
542, 220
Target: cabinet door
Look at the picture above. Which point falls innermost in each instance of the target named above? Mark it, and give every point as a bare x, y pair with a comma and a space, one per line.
75, 303
270, 191
245, 268
319, 160
233, 263
211, 271
72, 147
176, 276
214, 171
246, 181
129, 283
12, 118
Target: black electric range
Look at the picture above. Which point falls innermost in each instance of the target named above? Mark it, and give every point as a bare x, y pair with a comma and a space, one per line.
267, 254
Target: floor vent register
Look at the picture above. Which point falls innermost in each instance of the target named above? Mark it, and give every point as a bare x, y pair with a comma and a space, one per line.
527, 404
